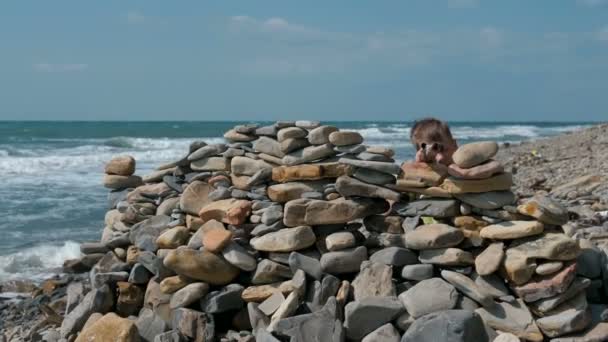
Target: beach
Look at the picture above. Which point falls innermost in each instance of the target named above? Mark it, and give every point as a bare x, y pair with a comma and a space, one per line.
571, 167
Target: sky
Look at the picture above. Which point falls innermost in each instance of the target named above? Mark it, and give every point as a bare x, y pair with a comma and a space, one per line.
460, 60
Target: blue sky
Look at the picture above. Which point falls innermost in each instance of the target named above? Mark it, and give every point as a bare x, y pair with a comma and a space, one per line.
513, 60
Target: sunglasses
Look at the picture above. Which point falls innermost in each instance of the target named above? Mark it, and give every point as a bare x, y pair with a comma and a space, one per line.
437, 147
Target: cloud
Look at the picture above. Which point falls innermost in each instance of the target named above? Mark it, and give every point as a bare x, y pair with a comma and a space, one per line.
491, 37
463, 3
602, 34
49, 67
592, 3
135, 17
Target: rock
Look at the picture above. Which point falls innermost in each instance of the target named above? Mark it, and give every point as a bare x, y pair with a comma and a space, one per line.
97, 300
145, 233
244, 166
385, 167
506, 337
211, 164
468, 287
293, 144
544, 305
230, 211
367, 315
214, 240
236, 255
374, 280
272, 214
320, 135
384, 224
110, 327
348, 187
549, 267
394, 256
345, 138
291, 133
340, 240
285, 240
432, 236
308, 154
417, 272
260, 293
316, 212
473, 154
511, 317
488, 200
307, 124
386, 333
121, 165
498, 182
545, 210
201, 265
117, 182
373, 156
446, 257
195, 325
509, 230
130, 298
344, 261
233, 135
426, 174
269, 146
188, 294
569, 317
374, 177
286, 192
416, 299
270, 305
150, 325
226, 299
481, 171
447, 326
521, 255
284, 174
207, 151
195, 197
488, 261
173, 238
589, 262
310, 266
540, 287
269, 271
317, 326
438, 208
170, 285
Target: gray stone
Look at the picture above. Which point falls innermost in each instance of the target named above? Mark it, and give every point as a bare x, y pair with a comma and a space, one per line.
386, 333
433, 236
269, 146
262, 229
488, 200
226, 299
188, 295
438, 208
195, 325
367, 315
447, 326
150, 325
219, 194
473, 154
237, 255
233, 152
349, 150
344, 261
468, 287
390, 168
417, 272
144, 234
345, 138
291, 133
154, 264
348, 187
308, 124
545, 210
320, 135
374, 157
446, 257
170, 336
488, 261
270, 305
512, 317
74, 295
207, 151
290, 145
394, 256
374, 280
313, 327
109, 278
340, 240
270, 131
491, 285
374, 177
244, 166
269, 271
93, 248
569, 317
416, 299
97, 300
547, 304
285, 240
272, 214
257, 318
308, 154
310, 266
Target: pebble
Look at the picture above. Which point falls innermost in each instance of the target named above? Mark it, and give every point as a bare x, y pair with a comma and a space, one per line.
367, 315
416, 299
285, 240
473, 154
417, 272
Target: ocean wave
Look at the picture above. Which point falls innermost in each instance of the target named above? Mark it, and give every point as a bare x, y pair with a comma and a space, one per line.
37, 262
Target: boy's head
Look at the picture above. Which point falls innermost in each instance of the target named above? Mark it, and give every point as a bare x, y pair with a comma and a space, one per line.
433, 141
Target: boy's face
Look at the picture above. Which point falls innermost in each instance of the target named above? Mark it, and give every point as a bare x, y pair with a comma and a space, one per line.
435, 151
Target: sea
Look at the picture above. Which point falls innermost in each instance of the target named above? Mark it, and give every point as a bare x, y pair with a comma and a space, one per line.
51, 196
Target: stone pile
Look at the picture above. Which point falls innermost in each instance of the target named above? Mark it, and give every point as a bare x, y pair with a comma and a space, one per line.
300, 232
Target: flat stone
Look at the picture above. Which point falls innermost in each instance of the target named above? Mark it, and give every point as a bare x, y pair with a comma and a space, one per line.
417, 300
348, 186
270, 305
149, 324
317, 326
195, 197
394, 256
226, 299
117, 182
384, 224
468, 287
307, 124
270, 130
374, 280
269, 271
438, 208
488, 200
417, 272
549, 267
433, 236
373, 157
316, 212
498, 182
97, 300
481, 171
207, 151
110, 327
236, 255
447, 326
597, 330
320, 135
120, 165
386, 333
569, 317
425, 174
545, 210
367, 315
144, 234
214, 240
309, 265
344, 261
308, 154
511, 317
374, 177
293, 144
390, 168
446, 257
188, 295
340, 240
285, 240
345, 138
488, 261
260, 293
173, 238
195, 325
286, 192
230, 211
291, 133
510, 230
540, 287
201, 265
475, 153
211, 164
233, 135
542, 306
244, 166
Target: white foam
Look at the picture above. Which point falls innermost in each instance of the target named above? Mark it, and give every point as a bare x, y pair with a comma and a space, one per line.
38, 262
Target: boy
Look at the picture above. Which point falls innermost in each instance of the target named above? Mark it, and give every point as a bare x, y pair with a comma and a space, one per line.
433, 141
